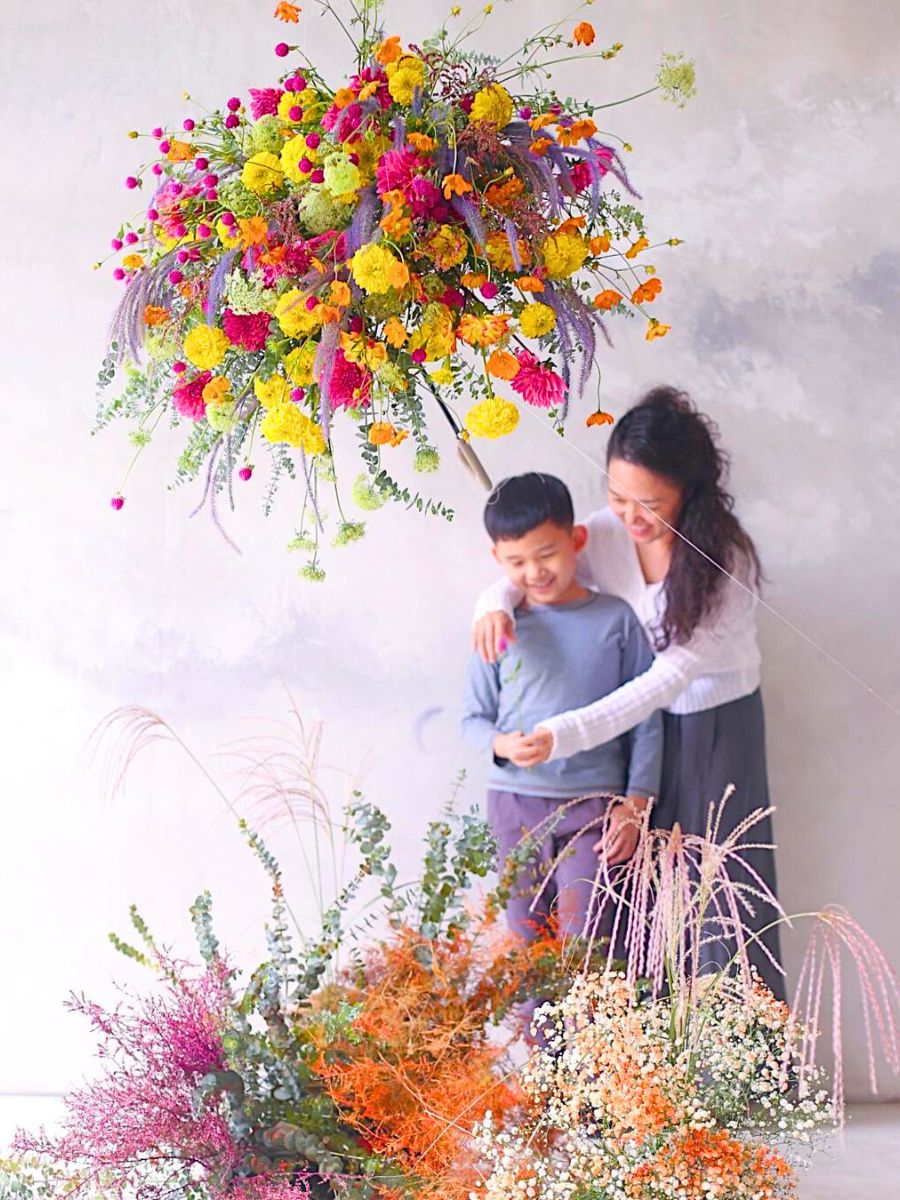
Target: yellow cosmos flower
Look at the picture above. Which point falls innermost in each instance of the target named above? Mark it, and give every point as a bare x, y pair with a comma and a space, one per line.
634, 250
295, 319
656, 330
564, 254
493, 103
205, 346
537, 319
262, 173
285, 423
273, 391
492, 418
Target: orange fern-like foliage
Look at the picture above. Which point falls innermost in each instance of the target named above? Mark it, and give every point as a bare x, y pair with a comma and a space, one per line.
417, 1068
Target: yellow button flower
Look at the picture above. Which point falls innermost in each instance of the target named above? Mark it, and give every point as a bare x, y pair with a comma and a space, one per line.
285, 423
205, 346
262, 173
537, 319
493, 103
492, 418
295, 319
564, 254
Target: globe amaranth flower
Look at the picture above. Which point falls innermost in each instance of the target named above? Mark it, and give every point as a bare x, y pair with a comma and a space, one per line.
262, 173
188, 397
427, 460
367, 496
250, 331
295, 319
537, 383
493, 103
404, 77
285, 423
205, 346
537, 319
677, 79
492, 418
564, 253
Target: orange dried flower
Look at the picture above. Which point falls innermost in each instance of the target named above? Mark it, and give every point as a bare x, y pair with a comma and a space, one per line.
503, 365
607, 299
600, 418
287, 12
583, 34
530, 283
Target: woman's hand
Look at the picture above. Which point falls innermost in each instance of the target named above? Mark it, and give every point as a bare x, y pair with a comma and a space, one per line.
492, 633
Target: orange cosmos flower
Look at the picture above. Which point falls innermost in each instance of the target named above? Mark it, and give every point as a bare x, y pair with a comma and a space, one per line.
274, 256
422, 142
571, 225
541, 122
329, 314
154, 315
656, 330
530, 283
254, 230
343, 98
381, 433
395, 333
600, 244
503, 365
389, 51
540, 146
456, 185
571, 135
607, 299
287, 12
600, 418
583, 34
483, 331
647, 292
180, 151
396, 223
634, 250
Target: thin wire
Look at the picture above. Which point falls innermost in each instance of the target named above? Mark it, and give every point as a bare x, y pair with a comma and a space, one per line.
826, 654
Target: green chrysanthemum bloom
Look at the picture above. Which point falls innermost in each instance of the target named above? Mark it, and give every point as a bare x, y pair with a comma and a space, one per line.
221, 416
161, 346
677, 79
240, 200
427, 460
265, 134
302, 542
392, 377
139, 438
319, 211
349, 531
248, 295
367, 496
312, 572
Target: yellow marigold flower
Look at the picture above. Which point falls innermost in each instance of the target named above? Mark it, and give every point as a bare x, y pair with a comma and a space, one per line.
272, 391
537, 319
292, 154
499, 252
583, 34
381, 433
530, 283
180, 151
132, 261
218, 390
295, 319
405, 76
377, 270
287, 12
656, 330
636, 247
299, 364
155, 315
492, 418
601, 243
493, 103
564, 254
286, 423
262, 173
288, 101
503, 365
456, 185
395, 333
254, 230
483, 331
443, 375
339, 293
229, 235
389, 51
446, 247
205, 346
646, 293
435, 335
607, 299
422, 142
600, 418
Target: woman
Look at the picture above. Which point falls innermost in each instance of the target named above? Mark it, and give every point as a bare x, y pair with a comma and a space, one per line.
660, 545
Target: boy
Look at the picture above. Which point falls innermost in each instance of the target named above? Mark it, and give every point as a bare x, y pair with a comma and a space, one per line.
572, 647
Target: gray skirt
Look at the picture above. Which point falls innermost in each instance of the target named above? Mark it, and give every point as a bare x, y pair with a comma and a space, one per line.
704, 753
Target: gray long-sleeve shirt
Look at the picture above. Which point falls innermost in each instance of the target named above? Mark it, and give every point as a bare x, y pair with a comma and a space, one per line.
566, 656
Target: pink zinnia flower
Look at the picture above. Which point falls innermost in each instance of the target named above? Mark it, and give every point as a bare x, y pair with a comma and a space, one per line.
397, 169
264, 102
188, 397
536, 383
350, 385
248, 330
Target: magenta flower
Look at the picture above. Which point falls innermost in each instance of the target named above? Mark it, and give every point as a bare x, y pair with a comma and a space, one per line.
537, 383
350, 385
188, 397
424, 196
397, 169
249, 331
264, 102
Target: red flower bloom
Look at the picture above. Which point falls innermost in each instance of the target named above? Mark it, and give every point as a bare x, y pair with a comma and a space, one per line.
248, 330
188, 397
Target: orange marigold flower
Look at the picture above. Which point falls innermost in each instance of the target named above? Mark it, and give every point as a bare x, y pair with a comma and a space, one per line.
287, 12
389, 51
381, 433
540, 146
607, 299
656, 330
530, 283
634, 250
583, 34
501, 195
503, 365
422, 142
483, 331
254, 230
456, 185
395, 333
570, 225
600, 418
155, 315
274, 256
600, 244
339, 293
646, 292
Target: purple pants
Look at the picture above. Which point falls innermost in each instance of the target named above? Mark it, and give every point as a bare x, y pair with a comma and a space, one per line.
564, 904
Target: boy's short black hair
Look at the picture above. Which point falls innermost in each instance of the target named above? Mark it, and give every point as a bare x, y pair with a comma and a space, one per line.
522, 502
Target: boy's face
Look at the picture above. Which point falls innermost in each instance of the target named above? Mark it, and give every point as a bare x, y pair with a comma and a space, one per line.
542, 563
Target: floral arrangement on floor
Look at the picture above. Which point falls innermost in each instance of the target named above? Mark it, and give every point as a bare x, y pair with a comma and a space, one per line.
440, 235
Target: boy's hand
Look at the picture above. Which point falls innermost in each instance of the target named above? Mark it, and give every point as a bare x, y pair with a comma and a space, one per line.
623, 830
539, 745
490, 632
515, 747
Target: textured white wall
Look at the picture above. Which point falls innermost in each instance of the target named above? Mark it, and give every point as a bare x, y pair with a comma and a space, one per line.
781, 177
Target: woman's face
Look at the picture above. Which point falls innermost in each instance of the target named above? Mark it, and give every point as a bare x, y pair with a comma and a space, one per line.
647, 504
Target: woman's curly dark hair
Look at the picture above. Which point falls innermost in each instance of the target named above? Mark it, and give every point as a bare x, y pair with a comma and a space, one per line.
665, 434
